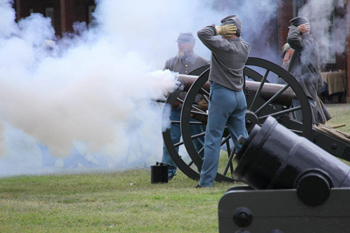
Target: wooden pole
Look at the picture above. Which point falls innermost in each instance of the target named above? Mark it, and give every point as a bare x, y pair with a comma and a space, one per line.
18, 9
63, 16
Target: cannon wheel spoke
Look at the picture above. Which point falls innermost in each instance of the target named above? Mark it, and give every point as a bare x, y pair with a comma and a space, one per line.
292, 87
187, 167
270, 101
230, 153
229, 163
258, 106
186, 113
257, 94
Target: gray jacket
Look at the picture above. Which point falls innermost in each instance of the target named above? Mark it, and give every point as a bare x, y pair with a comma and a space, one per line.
227, 60
304, 64
185, 65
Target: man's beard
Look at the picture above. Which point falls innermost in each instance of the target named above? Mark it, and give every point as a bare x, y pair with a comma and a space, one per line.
180, 54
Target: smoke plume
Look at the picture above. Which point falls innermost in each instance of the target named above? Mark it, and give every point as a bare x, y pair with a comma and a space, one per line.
88, 94
87, 99
328, 28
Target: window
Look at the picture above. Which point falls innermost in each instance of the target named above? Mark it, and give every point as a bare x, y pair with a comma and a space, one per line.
49, 13
91, 9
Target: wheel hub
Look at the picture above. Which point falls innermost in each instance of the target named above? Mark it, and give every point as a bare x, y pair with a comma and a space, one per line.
251, 119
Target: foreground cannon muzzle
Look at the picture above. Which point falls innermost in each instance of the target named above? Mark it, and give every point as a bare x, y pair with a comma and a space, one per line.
273, 157
268, 90
299, 187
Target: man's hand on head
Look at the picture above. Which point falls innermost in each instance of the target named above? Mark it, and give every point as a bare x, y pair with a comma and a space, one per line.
304, 28
226, 30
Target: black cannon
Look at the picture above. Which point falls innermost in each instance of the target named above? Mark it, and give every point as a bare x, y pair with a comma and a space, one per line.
264, 99
275, 158
293, 186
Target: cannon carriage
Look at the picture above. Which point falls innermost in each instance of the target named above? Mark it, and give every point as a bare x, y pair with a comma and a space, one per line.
294, 181
264, 99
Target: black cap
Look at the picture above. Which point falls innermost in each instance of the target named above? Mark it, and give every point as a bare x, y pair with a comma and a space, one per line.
232, 19
299, 20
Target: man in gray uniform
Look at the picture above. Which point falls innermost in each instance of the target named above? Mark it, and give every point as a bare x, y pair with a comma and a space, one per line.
322, 113
304, 65
227, 102
185, 62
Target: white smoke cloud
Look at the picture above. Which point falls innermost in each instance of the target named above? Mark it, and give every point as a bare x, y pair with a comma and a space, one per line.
258, 24
7, 22
94, 90
329, 29
91, 95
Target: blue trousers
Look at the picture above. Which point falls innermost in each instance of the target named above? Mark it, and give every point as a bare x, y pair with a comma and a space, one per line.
175, 132
226, 107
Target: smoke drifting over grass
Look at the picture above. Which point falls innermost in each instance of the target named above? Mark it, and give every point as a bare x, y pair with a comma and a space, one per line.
90, 94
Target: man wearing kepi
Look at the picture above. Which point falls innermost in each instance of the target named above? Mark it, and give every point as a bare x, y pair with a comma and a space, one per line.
185, 62
227, 102
304, 65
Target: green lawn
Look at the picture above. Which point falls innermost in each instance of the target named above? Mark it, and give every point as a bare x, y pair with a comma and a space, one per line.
116, 202
340, 115
113, 202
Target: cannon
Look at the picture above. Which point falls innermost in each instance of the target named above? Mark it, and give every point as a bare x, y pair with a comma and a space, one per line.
293, 185
264, 99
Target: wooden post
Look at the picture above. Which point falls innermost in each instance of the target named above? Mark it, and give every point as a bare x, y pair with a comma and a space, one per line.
18, 9
347, 48
63, 16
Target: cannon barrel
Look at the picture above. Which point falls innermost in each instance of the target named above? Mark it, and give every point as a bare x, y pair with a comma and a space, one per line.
275, 158
268, 90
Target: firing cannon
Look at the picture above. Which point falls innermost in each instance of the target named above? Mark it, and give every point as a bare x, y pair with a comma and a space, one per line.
264, 99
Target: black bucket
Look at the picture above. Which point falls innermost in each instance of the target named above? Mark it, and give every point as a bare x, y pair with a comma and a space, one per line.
159, 173
273, 157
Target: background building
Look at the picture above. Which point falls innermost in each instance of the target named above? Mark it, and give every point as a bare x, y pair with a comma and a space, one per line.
64, 13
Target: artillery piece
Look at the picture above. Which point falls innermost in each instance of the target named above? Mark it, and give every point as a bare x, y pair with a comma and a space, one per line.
264, 99
294, 186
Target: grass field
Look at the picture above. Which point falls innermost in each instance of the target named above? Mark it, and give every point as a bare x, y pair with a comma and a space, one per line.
116, 202
113, 202
340, 115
